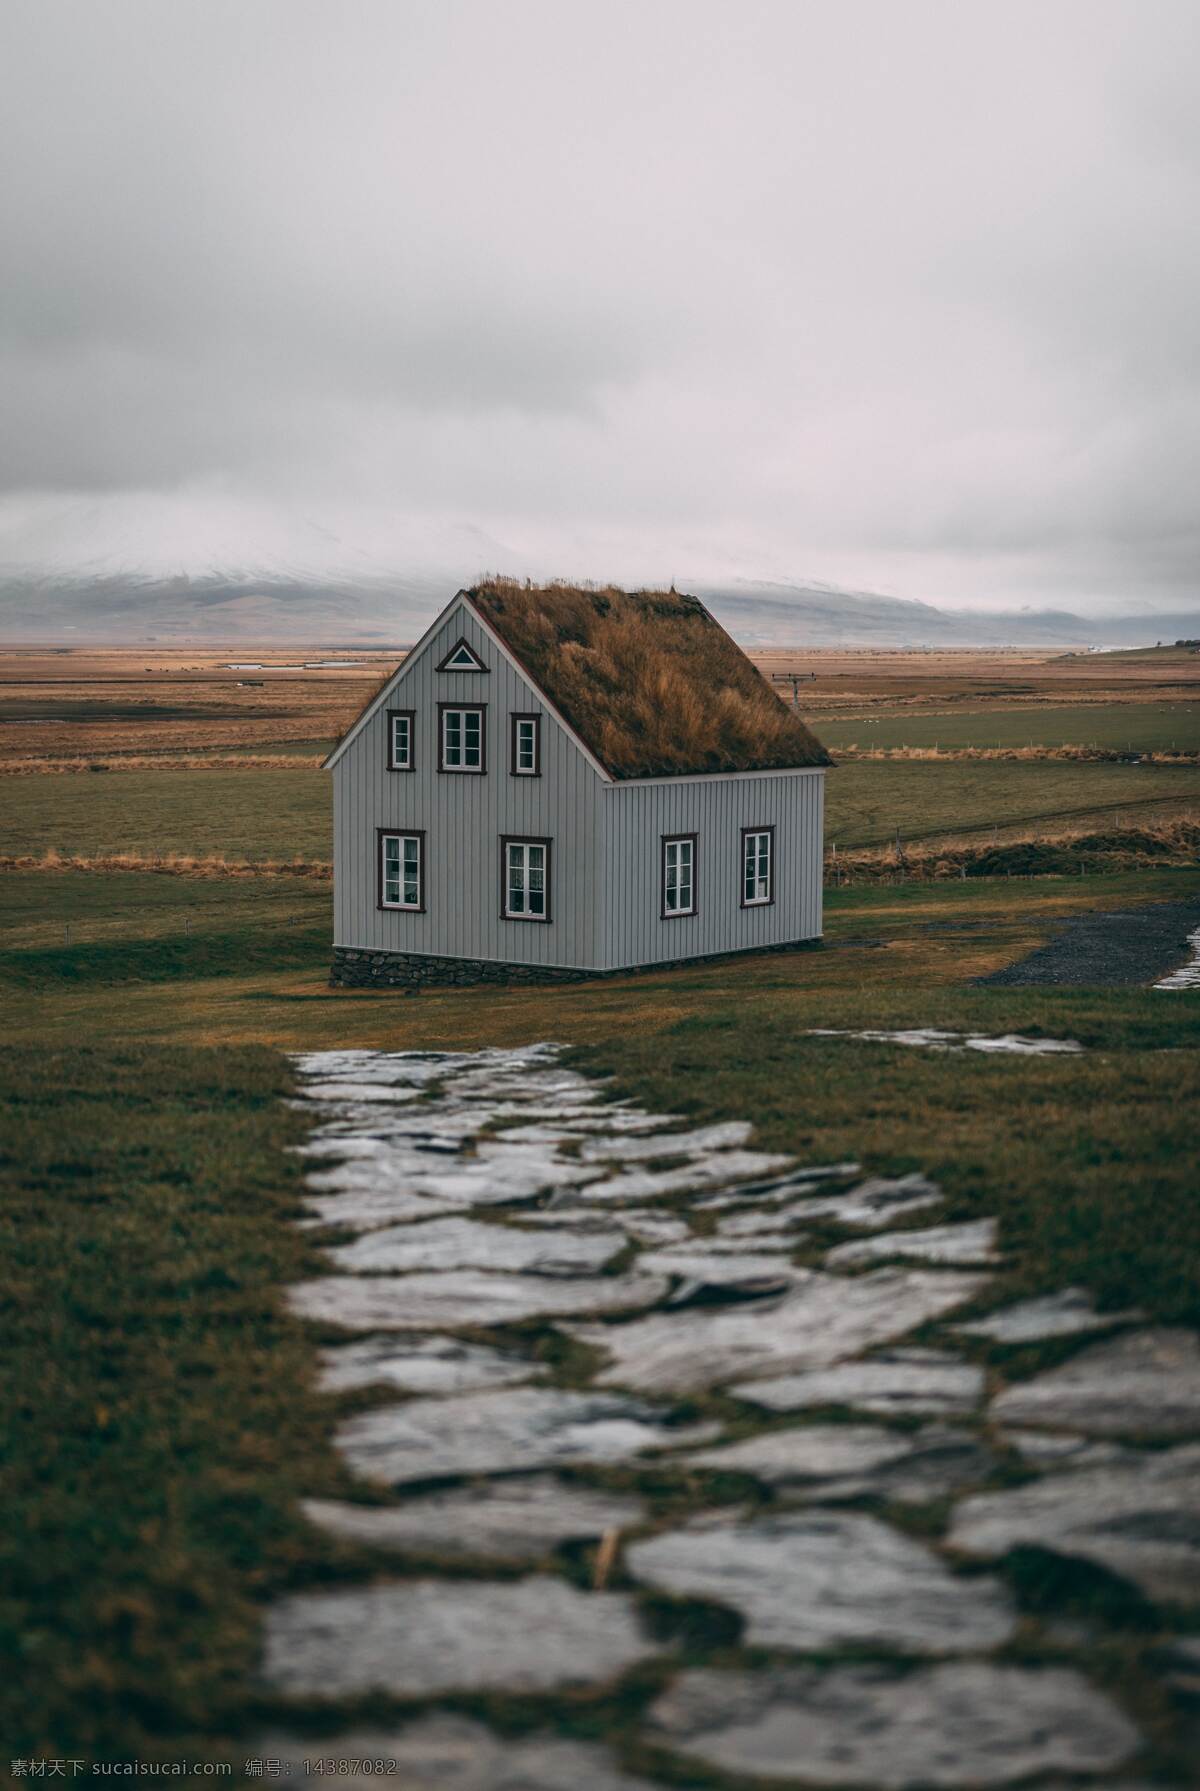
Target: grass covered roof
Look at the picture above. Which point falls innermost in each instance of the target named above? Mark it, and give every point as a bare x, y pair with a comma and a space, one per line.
650, 682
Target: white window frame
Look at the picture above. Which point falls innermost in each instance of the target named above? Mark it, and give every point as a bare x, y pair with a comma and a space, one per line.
405, 837
752, 855
515, 852
409, 718
532, 724
463, 710
678, 850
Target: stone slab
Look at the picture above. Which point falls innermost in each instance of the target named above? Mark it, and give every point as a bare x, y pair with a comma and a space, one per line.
1066, 1314
512, 1431
702, 1267
697, 1143
823, 1320
896, 1384
806, 1452
1003, 1044
964, 1723
421, 1365
520, 1519
821, 1579
970, 1245
450, 1753
1143, 1383
878, 1201
1140, 1519
458, 1243
421, 1637
423, 1302
718, 1169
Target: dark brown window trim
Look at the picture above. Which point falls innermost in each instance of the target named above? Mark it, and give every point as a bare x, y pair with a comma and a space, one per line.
770, 901
671, 839
393, 715
462, 770
400, 833
527, 839
470, 670
527, 715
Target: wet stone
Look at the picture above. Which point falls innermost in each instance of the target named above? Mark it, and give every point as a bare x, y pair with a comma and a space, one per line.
649, 1184
1144, 1383
517, 1431
965, 1723
824, 1319
878, 1201
1058, 1450
512, 1520
809, 1452
453, 1753
464, 1243
421, 1365
1066, 1314
963, 1246
795, 1181
418, 1637
369, 1208
899, 1383
697, 1143
939, 1461
1140, 1519
716, 1268
423, 1302
818, 1579
1011, 1044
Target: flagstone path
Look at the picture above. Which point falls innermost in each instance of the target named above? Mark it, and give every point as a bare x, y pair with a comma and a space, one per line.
643, 1391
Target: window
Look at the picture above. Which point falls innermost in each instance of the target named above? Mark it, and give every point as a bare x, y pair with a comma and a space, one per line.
527, 746
460, 738
400, 725
678, 876
524, 879
402, 871
462, 658
758, 867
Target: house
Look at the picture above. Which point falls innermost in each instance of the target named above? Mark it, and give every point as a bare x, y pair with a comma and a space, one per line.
559, 783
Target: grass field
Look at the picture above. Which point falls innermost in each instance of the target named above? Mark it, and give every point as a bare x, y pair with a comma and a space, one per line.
159, 1416
1119, 727
284, 814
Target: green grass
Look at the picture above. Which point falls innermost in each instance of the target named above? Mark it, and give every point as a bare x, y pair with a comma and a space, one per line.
867, 801
265, 815
158, 1416
1139, 727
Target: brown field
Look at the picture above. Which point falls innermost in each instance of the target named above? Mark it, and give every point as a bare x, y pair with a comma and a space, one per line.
64, 704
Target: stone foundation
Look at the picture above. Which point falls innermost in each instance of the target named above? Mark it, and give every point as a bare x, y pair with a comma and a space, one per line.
413, 970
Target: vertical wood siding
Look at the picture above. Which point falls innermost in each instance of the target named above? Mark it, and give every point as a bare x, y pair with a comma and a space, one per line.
715, 810
463, 817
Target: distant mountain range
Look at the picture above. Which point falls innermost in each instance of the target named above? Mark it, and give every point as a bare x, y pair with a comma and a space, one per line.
286, 603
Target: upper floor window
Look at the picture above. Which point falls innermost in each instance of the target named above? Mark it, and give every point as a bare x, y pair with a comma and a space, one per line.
461, 738
758, 866
678, 875
462, 657
402, 870
525, 879
526, 745
400, 730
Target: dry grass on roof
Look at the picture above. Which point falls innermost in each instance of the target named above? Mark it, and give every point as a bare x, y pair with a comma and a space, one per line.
648, 680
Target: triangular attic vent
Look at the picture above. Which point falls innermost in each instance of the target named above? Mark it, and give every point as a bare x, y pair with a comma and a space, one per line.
462, 658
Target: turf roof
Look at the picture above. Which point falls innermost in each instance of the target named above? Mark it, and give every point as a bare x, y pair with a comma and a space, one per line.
650, 682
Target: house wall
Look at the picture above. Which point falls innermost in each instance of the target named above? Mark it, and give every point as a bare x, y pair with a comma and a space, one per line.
463, 817
716, 809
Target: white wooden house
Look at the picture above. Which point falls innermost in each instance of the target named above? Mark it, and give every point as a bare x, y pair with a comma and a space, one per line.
558, 783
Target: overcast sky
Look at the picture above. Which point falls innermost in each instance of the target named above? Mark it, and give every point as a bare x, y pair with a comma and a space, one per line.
903, 294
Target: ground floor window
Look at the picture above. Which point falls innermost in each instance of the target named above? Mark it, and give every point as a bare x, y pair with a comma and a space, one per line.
402, 870
758, 866
525, 879
678, 876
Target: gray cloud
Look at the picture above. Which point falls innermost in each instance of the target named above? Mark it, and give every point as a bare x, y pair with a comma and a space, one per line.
907, 296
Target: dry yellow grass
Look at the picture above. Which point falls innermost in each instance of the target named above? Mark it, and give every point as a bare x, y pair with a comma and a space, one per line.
171, 864
1082, 754
42, 767
648, 680
1164, 844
